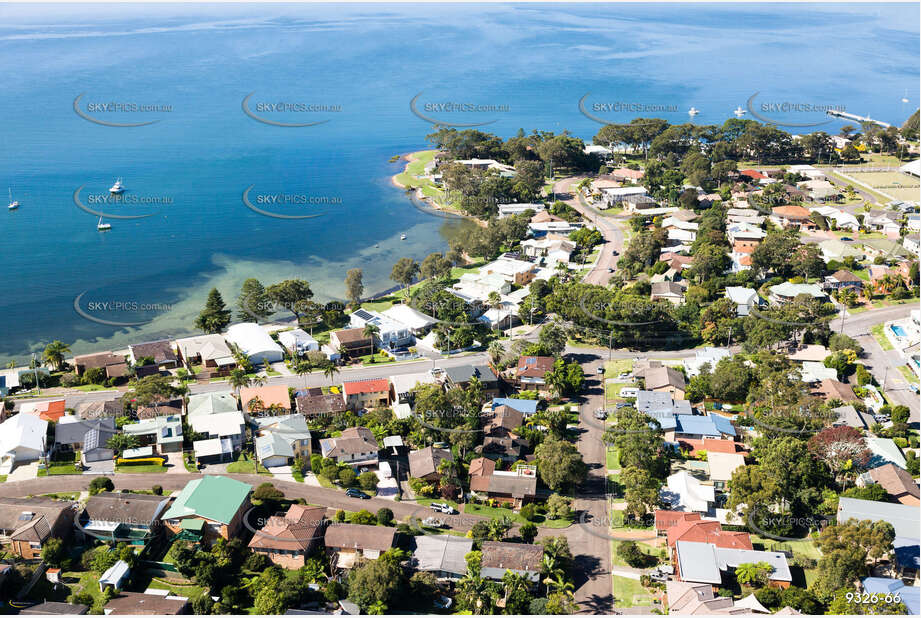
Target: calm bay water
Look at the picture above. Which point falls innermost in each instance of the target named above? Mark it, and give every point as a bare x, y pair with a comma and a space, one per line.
370, 60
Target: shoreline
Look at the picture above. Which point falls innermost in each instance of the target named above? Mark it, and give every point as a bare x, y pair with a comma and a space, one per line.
411, 157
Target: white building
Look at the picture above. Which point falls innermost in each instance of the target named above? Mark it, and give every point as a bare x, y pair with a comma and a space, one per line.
507, 210
843, 220
706, 356
391, 334
22, 439
254, 342
298, 341
414, 320
745, 299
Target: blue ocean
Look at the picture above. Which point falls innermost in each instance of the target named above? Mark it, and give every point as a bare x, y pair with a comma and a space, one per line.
348, 73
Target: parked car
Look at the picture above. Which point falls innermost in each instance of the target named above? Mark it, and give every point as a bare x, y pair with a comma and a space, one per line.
914, 388
600, 369
623, 376
613, 251
601, 414
628, 392
433, 522
441, 507
623, 404
444, 602
354, 493
846, 239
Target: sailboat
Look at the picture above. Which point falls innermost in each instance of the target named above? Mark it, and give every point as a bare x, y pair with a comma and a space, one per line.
693, 111
13, 205
402, 236
739, 112
102, 227
117, 188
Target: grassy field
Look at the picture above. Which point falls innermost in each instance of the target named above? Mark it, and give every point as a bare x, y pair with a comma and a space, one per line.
880, 337
495, 512
141, 469
614, 368
612, 392
908, 374
385, 302
613, 459
629, 592
646, 549
244, 465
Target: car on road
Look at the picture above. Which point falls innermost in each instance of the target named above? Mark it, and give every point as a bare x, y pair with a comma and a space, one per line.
623, 404
628, 392
441, 507
914, 388
354, 493
846, 239
610, 270
433, 522
601, 414
600, 369
614, 252
623, 376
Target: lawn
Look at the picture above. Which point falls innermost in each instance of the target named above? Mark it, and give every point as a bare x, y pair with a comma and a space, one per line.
803, 548
908, 374
880, 337
87, 582
88, 388
141, 469
629, 592
385, 302
244, 465
646, 549
614, 368
496, 512
613, 459
612, 391
2, 478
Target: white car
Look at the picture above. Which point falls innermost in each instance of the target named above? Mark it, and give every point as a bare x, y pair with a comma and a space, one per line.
628, 392
441, 507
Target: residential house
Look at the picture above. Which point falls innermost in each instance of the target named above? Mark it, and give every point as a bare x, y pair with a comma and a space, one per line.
355, 445
745, 299
281, 439
227, 428
288, 540
164, 432
517, 272
741, 255
885, 221
624, 174
722, 466
885, 451
52, 608
898, 483
813, 372
143, 604
461, 377
45, 410
744, 231
160, 407
205, 404
912, 243
883, 587
90, 437
313, 403
209, 351
820, 190
697, 530
22, 439
531, 372
661, 406
668, 290
475, 288
27, 523
390, 334
255, 343
519, 558
366, 394
834, 249
708, 356
298, 341
905, 519
838, 218
347, 544
351, 342
209, 508
843, 279
114, 366
850, 416
833, 389
89, 410
685, 492
402, 395
272, 398
161, 352
417, 322
527, 407
792, 216
551, 246
807, 171
706, 563
424, 463
786, 292
689, 599
507, 210
117, 517
442, 555
512, 488
665, 380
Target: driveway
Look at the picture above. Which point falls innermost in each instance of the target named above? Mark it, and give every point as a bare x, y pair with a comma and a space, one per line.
23, 472
174, 464
100, 467
282, 473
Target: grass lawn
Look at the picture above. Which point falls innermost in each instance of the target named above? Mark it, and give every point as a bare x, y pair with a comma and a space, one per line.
612, 392
880, 337
244, 465
496, 512
141, 469
614, 368
646, 549
629, 592
87, 581
385, 302
908, 374
613, 459
803, 548
2, 478
63, 495
88, 388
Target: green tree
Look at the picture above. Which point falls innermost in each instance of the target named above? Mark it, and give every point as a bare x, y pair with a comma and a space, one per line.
121, 442
404, 271
528, 531
354, 285
253, 302
53, 552
215, 316
753, 573
559, 463
54, 353
100, 484
375, 582
293, 295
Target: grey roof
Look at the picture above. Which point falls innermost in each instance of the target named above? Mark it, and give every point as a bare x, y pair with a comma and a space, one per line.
904, 518
130, 509
54, 608
656, 403
697, 562
272, 445
442, 553
464, 373
74, 433
730, 558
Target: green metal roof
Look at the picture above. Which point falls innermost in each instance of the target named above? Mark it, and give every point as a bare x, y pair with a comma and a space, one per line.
192, 524
217, 498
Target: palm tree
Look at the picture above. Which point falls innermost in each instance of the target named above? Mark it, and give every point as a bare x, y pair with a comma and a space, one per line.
474, 590
752, 572
371, 330
559, 583
303, 368
255, 405
512, 582
238, 380
54, 354
256, 380
330, 371
495, 302
495, 351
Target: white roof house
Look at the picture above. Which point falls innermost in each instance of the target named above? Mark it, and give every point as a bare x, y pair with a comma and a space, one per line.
815, 371
842, 219
723, 465
254, 342
744, 298
706, 356
402, 384
475, 286
506, 210
409, 317
686, 493
223, 425
834, 249
206, 348
391, 333
912, 167
204, 404
744, 231
786, 291
22, 438
298, 341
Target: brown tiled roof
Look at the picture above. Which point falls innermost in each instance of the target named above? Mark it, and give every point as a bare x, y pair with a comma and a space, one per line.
425, 461
708, 532
791, 212
514, 556
896, 481
54, 608
353, 440
846, 275
833, 389
352, 335
668, 519
99, 359
99, 409
660, 377
161, 351
35, 527
300, 527
138, 603
504, 420
272, 394
481, 466
161, 408
140, 509
534, 366
319, 404
357, 536
515, 486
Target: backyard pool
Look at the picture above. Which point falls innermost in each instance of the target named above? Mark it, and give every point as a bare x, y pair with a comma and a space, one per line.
898, 330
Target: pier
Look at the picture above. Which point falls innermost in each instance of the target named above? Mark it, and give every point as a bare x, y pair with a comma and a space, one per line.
857, 118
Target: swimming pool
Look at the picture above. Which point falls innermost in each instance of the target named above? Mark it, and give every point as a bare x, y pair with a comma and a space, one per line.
898, 330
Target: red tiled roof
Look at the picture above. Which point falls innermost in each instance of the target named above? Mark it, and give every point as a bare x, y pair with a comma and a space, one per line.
380, 385
753, 174
534, 366
708, 532
668, 519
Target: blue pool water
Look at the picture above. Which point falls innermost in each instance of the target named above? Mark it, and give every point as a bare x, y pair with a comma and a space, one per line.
898, 330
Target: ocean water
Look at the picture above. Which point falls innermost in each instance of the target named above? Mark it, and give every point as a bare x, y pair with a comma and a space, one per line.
533, 63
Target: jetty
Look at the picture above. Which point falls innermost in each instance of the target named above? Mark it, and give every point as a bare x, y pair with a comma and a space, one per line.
856, 118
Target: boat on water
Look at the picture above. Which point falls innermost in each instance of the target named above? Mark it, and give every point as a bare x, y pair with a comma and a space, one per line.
739, 112
402, 236
118, 187
693, 111
102, 227
13, 204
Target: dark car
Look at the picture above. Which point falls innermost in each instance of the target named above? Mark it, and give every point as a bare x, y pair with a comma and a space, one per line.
846, 239
354, 493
